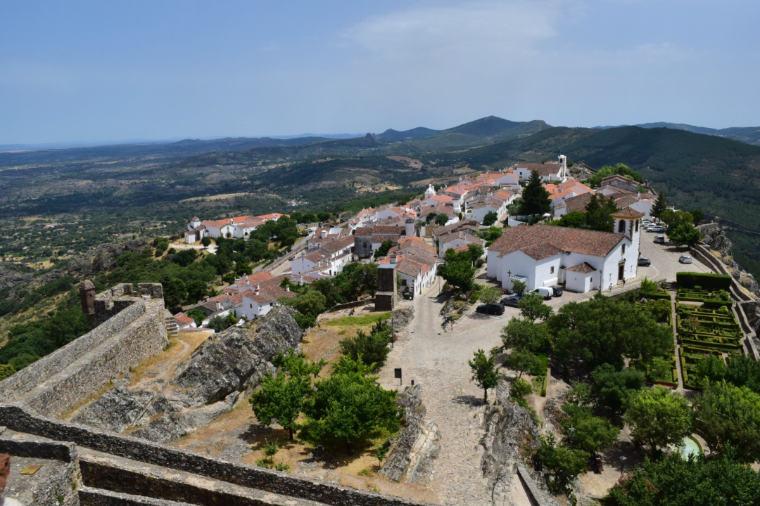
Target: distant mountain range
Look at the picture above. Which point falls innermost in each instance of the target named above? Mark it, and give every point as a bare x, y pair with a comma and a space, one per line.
715, 170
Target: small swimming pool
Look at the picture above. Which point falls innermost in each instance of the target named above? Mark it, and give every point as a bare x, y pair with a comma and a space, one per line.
689, 447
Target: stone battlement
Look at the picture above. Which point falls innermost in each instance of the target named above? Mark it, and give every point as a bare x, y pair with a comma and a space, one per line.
134, 331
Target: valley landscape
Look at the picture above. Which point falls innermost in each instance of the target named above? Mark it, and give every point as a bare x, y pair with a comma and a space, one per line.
515, 261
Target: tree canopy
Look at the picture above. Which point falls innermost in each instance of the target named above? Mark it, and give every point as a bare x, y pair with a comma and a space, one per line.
484, 372
696, 482
535, 198
728, 416
658, 417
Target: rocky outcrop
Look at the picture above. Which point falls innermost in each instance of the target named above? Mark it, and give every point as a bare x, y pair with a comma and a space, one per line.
511, 434
714, 236
230, 361
207, 385
401, 317
412, 451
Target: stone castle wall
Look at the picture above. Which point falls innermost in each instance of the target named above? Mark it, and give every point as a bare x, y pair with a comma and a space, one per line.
20, 419
134, 332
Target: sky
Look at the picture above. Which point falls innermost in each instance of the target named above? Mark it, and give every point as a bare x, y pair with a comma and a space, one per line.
107, 71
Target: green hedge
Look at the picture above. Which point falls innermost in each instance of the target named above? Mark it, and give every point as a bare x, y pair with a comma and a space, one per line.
703, 280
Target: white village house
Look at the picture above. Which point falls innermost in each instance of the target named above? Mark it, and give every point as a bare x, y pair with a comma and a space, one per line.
550, 172
582, 260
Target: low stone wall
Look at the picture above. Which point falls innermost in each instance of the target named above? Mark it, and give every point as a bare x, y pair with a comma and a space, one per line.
19, 419
142, 338
25, 380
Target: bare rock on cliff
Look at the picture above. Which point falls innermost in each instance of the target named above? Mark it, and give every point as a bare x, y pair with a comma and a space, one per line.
238, 357
117, 409
511, 433
412, 451
401, 317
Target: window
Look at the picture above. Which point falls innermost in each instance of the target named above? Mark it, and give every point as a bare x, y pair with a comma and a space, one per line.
623, 249
551, 270
621, 226
637, 226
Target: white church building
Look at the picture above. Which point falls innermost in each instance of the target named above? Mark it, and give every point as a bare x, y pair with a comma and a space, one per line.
581, 260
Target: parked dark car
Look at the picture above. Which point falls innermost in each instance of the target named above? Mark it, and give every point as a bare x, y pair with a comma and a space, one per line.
644, 262
558, 290
492, 309
511, 300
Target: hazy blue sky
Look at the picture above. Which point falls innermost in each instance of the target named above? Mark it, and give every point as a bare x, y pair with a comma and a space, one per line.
73, 71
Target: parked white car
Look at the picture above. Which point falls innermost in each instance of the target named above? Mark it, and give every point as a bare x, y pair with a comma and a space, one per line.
685, 259
544, 292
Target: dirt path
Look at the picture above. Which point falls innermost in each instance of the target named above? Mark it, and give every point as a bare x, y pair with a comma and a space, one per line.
437, 360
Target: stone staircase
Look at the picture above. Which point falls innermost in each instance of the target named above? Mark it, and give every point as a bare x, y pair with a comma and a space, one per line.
172, 328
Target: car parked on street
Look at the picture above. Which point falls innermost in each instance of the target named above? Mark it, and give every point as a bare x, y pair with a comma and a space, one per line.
492, 309
685, 259
544, 291
644, 262
557, 291
511, 300
660, 239
657, 229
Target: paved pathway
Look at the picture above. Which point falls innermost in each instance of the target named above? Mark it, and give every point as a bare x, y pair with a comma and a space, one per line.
437, 360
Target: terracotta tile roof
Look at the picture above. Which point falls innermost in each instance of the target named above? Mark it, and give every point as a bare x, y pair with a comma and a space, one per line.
628, 214
465, 235
569, 188
584, 267
578, 203
396, 230
543, 239
183, 319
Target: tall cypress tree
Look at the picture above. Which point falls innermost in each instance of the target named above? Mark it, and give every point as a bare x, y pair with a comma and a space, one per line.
660, 205
535, 198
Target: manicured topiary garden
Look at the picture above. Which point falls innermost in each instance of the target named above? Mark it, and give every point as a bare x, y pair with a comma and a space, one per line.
705, 324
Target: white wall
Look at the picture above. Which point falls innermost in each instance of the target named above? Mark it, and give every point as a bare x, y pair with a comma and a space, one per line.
579, 281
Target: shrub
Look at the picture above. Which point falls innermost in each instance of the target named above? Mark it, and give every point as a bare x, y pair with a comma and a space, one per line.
704, 280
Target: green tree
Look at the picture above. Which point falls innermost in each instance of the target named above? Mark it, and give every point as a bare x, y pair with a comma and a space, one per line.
526, 362
575, 219
611, 388
684, 234
280, 397
729, 416
349, 408
384, 248
743, 371
441, 219
525, 335
6, 371
489, 294
161, 244
535, 198
586, 432
484, 372
658, 417
599, 213
490, 218
206, 241
370, 348
560, 464
660, 205
603, 330
610, 170
309, 304
532, 307
695, 482
519, 286
457, 270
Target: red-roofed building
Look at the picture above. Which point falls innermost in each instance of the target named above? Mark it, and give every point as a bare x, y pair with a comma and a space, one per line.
545, 255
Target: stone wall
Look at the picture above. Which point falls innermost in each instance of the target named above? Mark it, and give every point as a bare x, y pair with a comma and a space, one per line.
134, 332
19, 419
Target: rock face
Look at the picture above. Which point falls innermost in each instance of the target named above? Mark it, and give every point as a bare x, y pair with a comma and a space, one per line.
207, 385
400, 318
228, 362
414, 448
713, 236
510, 433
